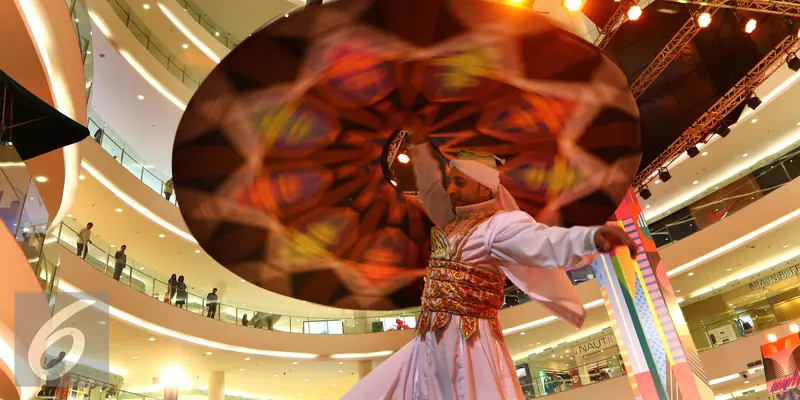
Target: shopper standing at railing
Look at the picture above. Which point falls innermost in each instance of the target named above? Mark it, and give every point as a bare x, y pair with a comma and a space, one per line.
84, 239
172, 286
211, 302
169, 187
120, 260
181, 289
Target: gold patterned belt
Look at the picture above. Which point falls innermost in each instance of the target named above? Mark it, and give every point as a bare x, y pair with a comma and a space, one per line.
455, 288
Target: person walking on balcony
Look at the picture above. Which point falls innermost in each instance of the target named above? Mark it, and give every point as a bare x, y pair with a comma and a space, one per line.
480, 238
120, 261
182, 295
172, 287
84, 239
169, 187
211, 302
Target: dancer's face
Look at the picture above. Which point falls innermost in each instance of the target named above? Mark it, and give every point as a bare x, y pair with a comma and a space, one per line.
464, 191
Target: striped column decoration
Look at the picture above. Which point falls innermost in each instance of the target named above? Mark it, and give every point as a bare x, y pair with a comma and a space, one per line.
657, 350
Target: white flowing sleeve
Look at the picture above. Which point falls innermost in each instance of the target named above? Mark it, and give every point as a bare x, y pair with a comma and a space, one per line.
429, 183
515, 238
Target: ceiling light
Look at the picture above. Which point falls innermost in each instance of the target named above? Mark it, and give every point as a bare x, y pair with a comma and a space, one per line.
140, 97
634, 13
69, 215
152, 339
658, 181
81, 177
141, 268
208, 353
216, 34
572, 5
135, 357
647, 206
241, 280
678, 291
695, 182
772, 338
247, 359
146, 6
753, 102
750, 26
197, 252
393, 182
403, 158
276, 375
294, 363
522, 333
705, 153
89, 52
785, 246
664, 175
118, 210
753, 121
161, 235
793, 62
745, 155
729, 269
241, 369
77, 20
340, 363
340, 370
794, 328
730, 305
704, 20
188, 33
286, 15
185, 46
691, 273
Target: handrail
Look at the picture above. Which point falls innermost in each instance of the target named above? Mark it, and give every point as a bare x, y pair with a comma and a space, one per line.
210, 26
559, 381
157, 50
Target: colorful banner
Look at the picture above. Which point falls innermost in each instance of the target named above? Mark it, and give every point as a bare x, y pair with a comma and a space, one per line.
62, 392
780, 365
656, 347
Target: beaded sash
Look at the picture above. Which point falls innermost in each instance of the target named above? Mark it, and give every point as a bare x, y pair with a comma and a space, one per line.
456, 288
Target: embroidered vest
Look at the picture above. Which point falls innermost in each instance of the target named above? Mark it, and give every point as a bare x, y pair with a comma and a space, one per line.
456, 288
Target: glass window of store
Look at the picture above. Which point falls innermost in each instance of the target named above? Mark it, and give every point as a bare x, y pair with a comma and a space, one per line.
594, 358
758, 302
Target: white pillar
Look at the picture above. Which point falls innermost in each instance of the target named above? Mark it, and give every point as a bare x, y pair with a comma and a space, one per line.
216, 385
364, 368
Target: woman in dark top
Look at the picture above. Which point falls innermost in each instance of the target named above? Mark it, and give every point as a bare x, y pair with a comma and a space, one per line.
244, 320
182, 295
172, 285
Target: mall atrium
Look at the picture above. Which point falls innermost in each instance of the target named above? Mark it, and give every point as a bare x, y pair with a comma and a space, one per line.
98, 113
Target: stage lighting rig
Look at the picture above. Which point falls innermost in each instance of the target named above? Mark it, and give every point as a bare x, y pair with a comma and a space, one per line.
793, 62
753, 102
693, 152
664, 175
645, 193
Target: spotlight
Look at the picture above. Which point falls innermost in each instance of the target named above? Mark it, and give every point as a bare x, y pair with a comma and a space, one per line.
772, 337
403, 158
723, 131
753, 102
645, 193
704, 20
634, 13
693, 152
573, 5
750, 26
664, 175
793, 62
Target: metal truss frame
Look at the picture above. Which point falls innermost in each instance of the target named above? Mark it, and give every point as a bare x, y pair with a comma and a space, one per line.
787, 7
710, 120
613, 24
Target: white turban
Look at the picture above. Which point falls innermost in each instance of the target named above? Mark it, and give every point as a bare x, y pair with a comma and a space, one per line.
489, 177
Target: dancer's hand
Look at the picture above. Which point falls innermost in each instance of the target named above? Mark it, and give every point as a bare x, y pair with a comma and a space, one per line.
608, 238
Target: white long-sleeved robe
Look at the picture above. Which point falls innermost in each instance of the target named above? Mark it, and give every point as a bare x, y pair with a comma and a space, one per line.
443, 365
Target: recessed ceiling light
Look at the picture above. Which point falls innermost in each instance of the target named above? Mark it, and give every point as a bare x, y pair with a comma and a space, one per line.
340, 370
135, 357
247, 359
241, 280
216, 34
241, 369
118, 210
286, 15
81, 177
745, 155
69, 215
678, 291
41, 179
152, 339
208, 353
141, 268
522, 333
753, 121
785, 246
538, 342
161, 235
695, 182
146, 6
691, 273
113, 245
276, 375
647, 206
294, 363
729, 304
340, 362
658, 181
705, 153
140, 97
729, 269
77, 20
185, 46
306, 380
197, 251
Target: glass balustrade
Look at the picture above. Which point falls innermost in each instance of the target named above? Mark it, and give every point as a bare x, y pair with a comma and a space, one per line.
555, 381
157, 49
727, 200
210, 26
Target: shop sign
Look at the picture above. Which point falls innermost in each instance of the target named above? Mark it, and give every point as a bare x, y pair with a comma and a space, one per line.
775, 278
595, 345
778, 358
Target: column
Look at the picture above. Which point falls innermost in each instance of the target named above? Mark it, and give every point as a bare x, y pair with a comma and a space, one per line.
364, 368
216, 385
659, 355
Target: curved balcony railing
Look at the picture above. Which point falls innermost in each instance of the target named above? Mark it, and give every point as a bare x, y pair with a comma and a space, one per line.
559, 381
210, 26
125, 155
158, 50
726, 200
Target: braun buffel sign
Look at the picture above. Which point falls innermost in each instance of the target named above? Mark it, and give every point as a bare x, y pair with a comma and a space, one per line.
775, 278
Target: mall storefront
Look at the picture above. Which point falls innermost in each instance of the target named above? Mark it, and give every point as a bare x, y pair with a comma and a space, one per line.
570, 365
750, 305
